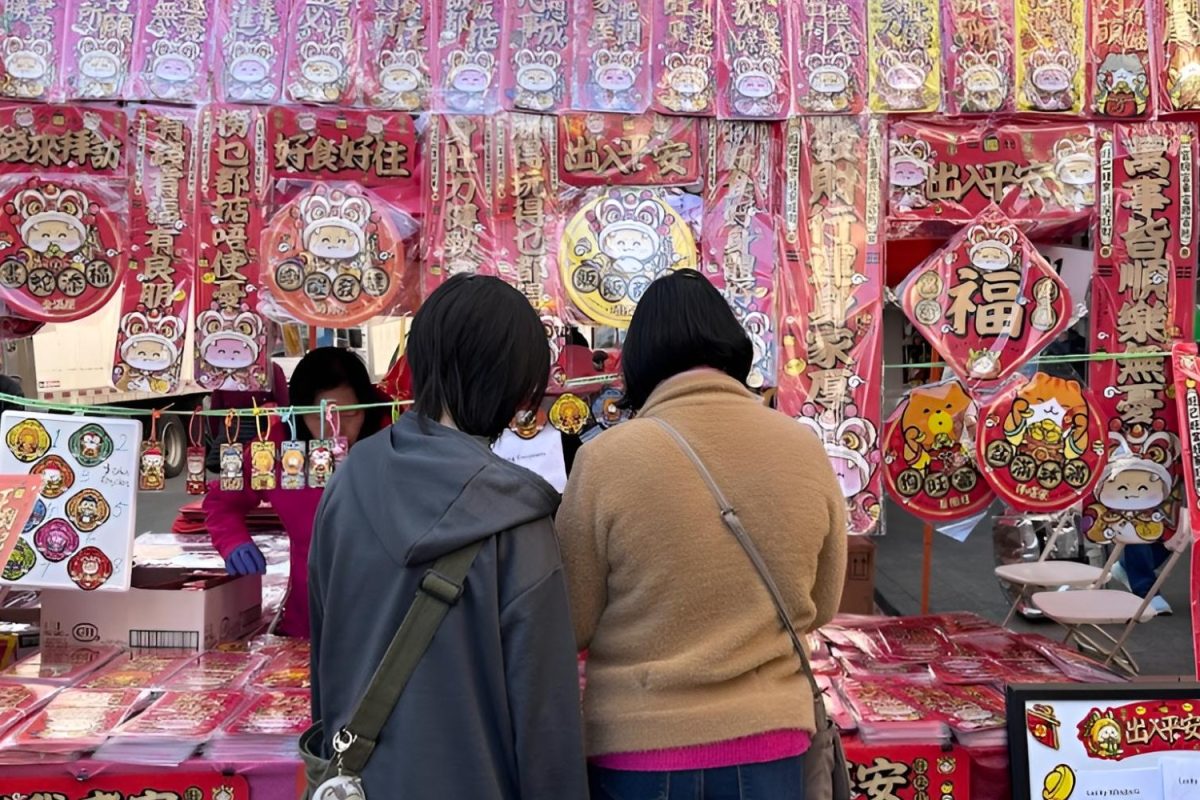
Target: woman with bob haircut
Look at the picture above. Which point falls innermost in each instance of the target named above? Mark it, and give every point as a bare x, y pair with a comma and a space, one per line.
492, 709
693, 687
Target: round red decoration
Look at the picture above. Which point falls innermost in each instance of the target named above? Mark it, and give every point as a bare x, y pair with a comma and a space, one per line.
334, 257
929, 454
1042, 443
61, 254
90, 568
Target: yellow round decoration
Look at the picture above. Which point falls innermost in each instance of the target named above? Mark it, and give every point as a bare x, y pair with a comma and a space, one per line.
616, 245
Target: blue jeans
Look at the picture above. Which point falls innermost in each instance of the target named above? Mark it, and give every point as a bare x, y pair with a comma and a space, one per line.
776, 780
1141, 562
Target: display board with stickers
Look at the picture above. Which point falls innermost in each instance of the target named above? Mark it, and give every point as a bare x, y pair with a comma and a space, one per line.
80, 535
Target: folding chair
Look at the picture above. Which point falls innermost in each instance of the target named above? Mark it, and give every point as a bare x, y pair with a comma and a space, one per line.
1095, 607
1044, 573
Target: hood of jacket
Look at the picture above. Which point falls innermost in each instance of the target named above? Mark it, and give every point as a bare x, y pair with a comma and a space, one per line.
457, 490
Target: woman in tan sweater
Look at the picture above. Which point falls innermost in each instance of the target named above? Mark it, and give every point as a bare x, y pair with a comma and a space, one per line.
693, 687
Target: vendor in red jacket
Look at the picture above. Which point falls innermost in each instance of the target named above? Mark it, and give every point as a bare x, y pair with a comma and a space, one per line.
327, 374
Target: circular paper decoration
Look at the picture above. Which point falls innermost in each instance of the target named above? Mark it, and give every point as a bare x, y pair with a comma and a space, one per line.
35, 519
1042, 443
616, 245
28, 440
90, 568
333, 257
20, 562
56, 540
606, 410
91, 445
88, 510
569, 414
929, 454
57, 474
66, 256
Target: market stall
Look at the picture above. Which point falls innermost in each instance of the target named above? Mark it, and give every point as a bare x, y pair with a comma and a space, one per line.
987, 180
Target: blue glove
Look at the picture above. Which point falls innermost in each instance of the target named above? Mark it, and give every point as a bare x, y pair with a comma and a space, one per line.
247, 559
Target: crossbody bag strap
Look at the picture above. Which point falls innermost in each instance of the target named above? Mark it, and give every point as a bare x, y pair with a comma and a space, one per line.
440, 590
730, 518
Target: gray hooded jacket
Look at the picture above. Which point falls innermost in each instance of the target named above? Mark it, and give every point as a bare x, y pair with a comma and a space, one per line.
492, 711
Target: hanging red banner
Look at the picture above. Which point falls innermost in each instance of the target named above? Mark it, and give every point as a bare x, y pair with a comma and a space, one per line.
929, 454
739, 247
252, 50
374, 149
394, 66
468, 41
612, 57
684, 34
527, 207
460, 224
322, 49
99, 50
832, 371
171, 53
31, 50
538, 55
643, 150
162, 223
1120, 68
1187, 405
979, 56
831, 56
137, 786
1044, 174
1142, 301
1179, 72
754, 79
82, 140
1041, 443
231, 337
987, 301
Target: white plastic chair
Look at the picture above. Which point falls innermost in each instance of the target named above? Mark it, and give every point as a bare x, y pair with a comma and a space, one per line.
1044, 573
1095, 607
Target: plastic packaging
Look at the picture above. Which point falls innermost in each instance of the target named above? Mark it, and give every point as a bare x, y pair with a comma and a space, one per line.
162, 230
538, 55
905, 56
394, 64
468, 39
323, 41
979, 56
98, 55
830, 43
1179, 72
612, 56
171, 53
251, 50
31, 50
754, 77
1051, 57
1121, 69
684, 66
643, 150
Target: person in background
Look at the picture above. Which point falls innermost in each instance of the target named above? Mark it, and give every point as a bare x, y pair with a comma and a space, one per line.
326, 374
693, 687
492, 709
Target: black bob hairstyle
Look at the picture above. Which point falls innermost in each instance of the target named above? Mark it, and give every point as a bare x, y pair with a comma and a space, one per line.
681, 323
328, 368
479, 353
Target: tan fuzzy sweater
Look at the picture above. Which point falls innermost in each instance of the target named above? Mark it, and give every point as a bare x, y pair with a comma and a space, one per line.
684, 644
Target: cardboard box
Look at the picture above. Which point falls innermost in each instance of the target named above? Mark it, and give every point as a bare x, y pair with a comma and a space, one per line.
176, 608
858, 596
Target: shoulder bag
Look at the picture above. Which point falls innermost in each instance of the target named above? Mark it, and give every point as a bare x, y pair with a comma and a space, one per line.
826, 776
340, 778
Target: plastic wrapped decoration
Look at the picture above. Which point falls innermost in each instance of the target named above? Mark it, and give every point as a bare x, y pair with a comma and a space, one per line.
612, 57
616, 243
322, 50
905, 56
979, 57
1121, 67
1134, 497
68, 250
395, 62
152, 330
538, 55
1179, 32
251, 50
988, 302
683, 69
31, 46
640, 150
831, 57
1187, 399
1051, 57
333, 256
929, 454
466, 57
754, 80
171, 53
99, 50
1041, 443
